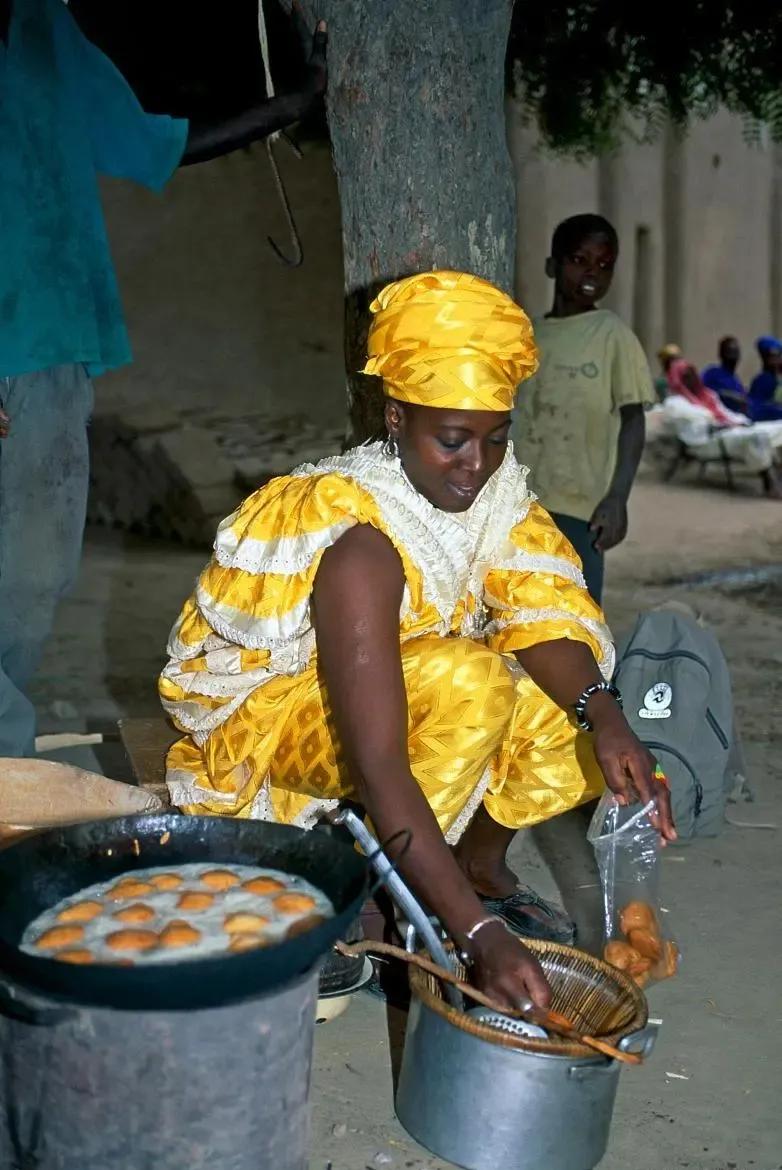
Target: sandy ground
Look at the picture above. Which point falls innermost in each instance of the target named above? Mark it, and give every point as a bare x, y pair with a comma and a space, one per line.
722, 1016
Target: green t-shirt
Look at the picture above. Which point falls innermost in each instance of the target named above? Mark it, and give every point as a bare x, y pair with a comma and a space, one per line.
566, 421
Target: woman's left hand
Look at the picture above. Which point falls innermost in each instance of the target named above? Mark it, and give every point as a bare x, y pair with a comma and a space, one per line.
628, 768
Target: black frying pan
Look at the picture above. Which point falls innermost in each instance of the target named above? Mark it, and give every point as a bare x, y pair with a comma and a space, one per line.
38, 871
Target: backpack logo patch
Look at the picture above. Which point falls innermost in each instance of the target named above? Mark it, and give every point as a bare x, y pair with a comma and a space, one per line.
657, 702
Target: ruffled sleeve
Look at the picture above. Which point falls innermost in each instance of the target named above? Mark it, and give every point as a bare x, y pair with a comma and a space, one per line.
535, 592
249, 618
255, 592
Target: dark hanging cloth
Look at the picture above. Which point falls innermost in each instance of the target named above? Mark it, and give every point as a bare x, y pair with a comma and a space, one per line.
5, 19
198, 61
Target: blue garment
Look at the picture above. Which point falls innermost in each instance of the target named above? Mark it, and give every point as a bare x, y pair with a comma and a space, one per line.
762, 407
730, 388
44, 474
66, 115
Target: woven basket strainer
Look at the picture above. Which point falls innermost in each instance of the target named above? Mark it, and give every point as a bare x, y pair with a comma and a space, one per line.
598, 999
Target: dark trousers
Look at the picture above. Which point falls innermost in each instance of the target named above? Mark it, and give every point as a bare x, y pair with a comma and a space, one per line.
577, 532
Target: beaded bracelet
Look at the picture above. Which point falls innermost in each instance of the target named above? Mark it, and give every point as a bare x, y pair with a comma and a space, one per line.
580, 705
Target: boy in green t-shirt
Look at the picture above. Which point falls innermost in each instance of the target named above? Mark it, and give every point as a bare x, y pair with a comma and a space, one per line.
579, 423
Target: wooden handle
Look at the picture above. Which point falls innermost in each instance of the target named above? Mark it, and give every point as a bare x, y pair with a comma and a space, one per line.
553, 1021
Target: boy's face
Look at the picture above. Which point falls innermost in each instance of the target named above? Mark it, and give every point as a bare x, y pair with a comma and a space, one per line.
584, 275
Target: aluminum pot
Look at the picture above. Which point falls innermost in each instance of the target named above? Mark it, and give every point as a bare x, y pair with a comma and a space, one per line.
471, 1099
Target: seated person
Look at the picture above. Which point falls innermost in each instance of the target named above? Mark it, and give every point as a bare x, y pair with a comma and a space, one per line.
405, 627
724, 380
711, 431
685, 381
765, 397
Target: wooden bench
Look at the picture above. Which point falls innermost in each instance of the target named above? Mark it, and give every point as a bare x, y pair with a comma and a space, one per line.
682, 455
146, 742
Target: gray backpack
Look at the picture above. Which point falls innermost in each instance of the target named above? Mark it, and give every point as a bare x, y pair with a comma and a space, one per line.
677, 698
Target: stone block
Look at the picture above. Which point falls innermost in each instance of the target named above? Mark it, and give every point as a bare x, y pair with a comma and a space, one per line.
196, 455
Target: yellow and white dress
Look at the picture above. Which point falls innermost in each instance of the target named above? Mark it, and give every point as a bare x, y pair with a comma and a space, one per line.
242, 681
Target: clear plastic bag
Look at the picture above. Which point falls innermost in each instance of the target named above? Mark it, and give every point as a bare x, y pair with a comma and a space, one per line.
627, 851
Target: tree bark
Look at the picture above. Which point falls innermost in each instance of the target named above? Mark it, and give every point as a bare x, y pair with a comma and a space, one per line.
417, 123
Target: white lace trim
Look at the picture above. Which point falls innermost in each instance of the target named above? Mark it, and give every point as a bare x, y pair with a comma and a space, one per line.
283, 554
254, 633
293, 658
215, 685
519, 561
471, 807
200, 721
443, 546
176, 648
261, 808
598, 630
183, 790
308, 817
494, 517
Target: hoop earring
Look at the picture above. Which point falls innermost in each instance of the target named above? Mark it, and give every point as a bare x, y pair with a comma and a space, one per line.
391, 448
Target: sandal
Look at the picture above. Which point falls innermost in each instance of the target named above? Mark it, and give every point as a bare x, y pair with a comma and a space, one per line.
529, 915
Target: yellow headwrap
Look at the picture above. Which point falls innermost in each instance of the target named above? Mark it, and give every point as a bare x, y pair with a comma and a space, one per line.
450, 340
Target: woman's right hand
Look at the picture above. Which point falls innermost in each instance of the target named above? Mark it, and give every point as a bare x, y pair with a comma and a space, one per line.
506, 970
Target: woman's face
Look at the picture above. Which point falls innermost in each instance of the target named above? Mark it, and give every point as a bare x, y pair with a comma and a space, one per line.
448, 455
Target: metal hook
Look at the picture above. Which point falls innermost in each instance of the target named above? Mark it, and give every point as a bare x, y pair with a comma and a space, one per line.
297, 258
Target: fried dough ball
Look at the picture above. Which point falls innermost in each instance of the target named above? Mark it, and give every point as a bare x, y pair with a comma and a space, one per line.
132, 940
294, 903
136, 913
195, 900
129, 888
637, 916
80, 912
246, 942
75, 956
219, 879
61, 936
263, 885
179, 934
668, 963
620, 954
166, 881
647, 943
244, 923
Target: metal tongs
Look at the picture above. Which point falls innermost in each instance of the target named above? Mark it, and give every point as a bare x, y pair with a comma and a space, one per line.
418, 922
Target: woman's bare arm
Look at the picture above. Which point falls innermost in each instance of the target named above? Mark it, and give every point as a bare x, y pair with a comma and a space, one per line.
563, 669
357, 597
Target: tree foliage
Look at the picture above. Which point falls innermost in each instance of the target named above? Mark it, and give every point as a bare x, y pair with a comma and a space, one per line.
592, 72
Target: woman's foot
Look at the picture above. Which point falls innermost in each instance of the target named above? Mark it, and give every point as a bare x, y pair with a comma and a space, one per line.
481, 857
531, 916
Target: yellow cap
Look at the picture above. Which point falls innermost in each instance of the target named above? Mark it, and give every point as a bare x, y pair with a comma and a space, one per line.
450, 340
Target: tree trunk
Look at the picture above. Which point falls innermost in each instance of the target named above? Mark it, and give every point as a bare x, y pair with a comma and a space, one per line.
416, 115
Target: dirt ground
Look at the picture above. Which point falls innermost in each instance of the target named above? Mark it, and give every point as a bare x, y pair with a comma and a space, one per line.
709, 1096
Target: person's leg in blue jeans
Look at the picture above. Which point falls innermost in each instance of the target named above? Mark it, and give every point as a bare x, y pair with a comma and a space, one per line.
44, 477
593, 561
